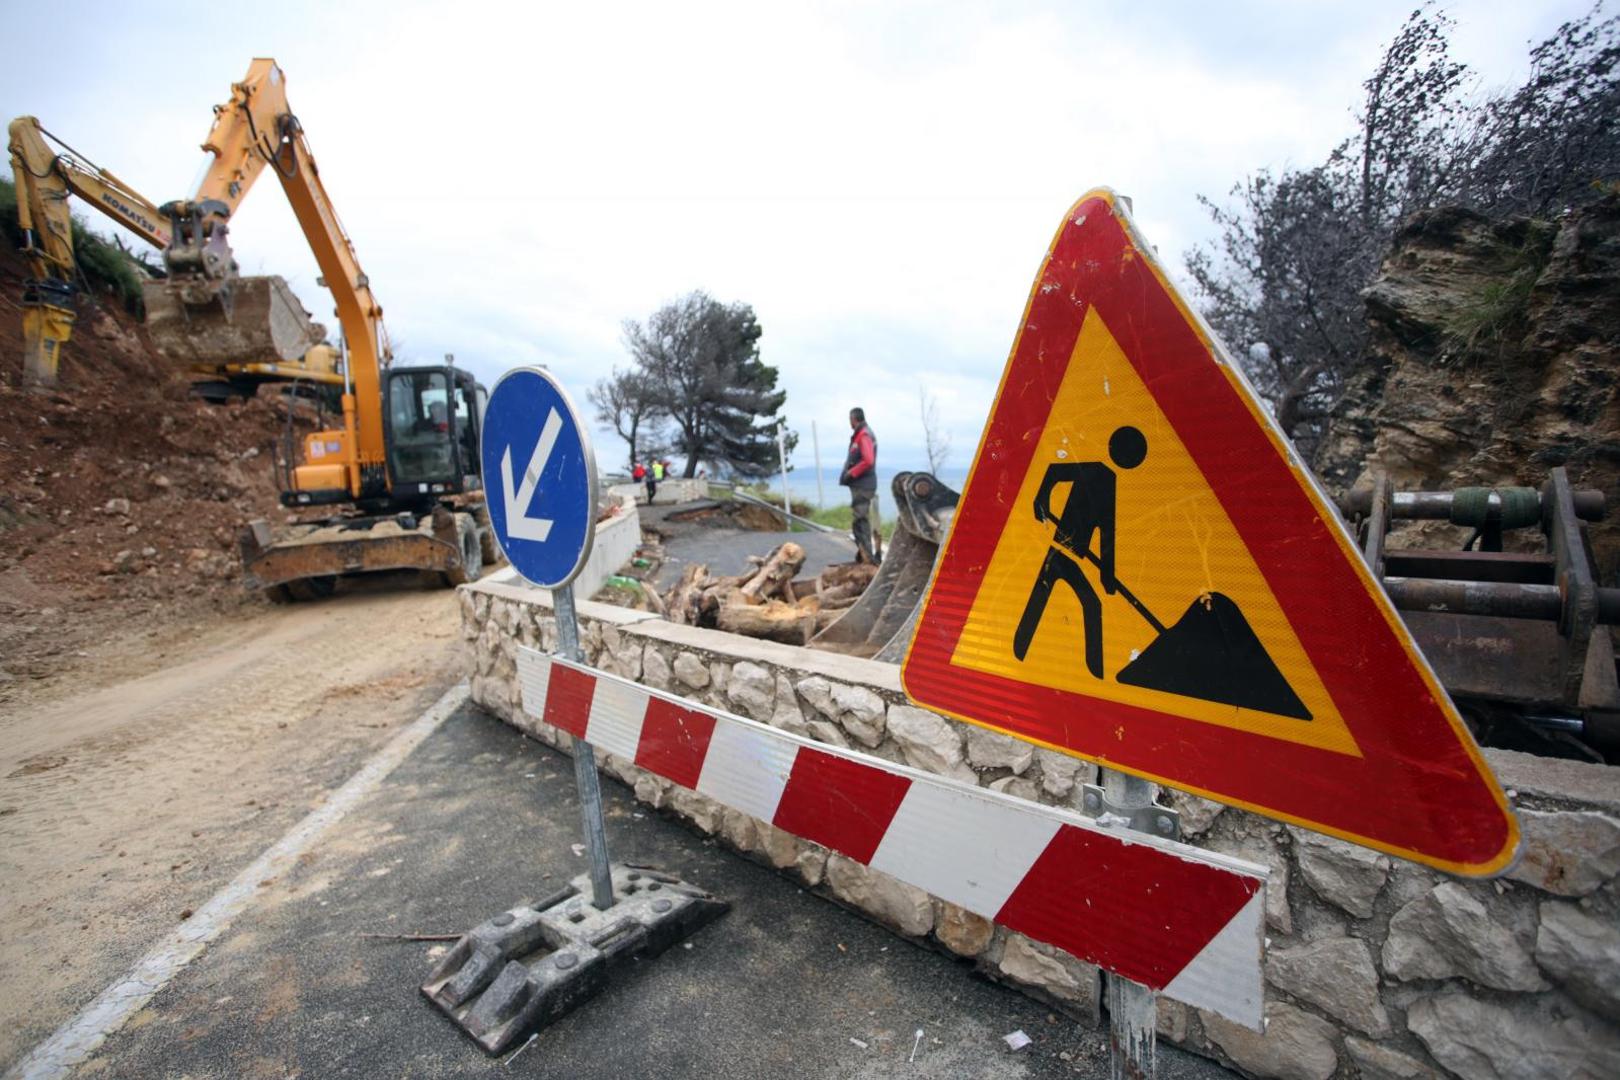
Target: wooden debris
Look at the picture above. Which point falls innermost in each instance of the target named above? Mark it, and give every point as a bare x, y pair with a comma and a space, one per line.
774, 620
775, 575
766, 602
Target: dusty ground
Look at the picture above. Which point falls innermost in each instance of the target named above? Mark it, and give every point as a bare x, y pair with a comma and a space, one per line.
138, 778
785, 986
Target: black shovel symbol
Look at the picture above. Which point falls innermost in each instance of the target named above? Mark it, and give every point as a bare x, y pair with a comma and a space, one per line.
1211, 653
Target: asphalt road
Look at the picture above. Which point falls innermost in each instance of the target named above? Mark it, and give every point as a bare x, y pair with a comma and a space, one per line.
726, 550
787, 984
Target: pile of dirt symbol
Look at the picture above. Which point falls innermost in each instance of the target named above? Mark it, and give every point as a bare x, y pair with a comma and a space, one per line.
123, 494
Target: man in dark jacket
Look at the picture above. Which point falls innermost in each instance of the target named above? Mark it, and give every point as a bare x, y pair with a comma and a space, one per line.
860, 476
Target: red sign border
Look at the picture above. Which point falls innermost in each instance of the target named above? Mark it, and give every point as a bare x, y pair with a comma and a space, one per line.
1421, 790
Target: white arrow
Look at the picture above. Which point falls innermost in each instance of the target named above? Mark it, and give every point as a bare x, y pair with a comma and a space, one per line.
518, 524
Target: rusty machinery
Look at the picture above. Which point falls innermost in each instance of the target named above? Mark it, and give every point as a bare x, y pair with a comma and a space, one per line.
1520, 639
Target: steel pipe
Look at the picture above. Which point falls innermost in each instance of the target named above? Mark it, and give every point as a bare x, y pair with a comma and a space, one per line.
1436, 505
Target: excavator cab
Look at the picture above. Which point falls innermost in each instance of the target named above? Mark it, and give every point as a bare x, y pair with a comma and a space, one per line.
432, 419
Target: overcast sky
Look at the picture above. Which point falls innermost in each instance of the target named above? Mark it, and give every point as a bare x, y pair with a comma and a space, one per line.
879, 180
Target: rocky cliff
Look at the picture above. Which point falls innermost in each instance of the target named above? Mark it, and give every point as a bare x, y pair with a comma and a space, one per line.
1495, 357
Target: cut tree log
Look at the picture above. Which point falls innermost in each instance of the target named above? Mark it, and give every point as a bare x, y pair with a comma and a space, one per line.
775, 575
841, 595
773, 620
840, 574
681, 606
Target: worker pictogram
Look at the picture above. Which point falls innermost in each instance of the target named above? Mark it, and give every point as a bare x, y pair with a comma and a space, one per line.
544, 517
1142, 574
1184, 922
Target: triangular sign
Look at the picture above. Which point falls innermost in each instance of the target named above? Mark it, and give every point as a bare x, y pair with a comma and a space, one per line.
1141, 573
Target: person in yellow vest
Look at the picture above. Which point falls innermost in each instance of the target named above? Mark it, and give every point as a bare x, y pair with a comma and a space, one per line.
654, 474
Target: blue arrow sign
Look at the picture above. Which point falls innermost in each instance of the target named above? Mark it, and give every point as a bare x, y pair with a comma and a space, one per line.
539, 477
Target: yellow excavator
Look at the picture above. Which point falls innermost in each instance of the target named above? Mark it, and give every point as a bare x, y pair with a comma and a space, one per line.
223, 361
404, 466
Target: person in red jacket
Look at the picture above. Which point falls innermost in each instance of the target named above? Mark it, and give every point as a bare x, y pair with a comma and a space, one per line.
860, 476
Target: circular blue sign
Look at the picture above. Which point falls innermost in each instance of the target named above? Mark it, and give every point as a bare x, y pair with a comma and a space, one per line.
539, 477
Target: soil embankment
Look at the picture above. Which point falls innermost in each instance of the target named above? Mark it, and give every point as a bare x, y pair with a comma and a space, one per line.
159, 725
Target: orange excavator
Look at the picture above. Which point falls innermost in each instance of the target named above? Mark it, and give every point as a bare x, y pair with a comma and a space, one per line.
403, 470
268, 338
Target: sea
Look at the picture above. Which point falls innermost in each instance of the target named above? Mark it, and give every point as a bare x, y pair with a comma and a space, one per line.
801, 483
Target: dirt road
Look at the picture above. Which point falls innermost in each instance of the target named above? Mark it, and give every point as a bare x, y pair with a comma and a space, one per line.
133, 787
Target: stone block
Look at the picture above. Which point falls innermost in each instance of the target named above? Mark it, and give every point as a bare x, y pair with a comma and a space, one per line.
1447, 932
691, 671
857, 708
652, 790
1045, 968
1060, 773
781, 848
905, 907
785, 711
1018, 787
1171, 1020
752, 691
1582, 954
740, 830
992, 750
1197, 814
703, 811
1346, 875
810, 860
929, 742
1337, 976
861, 711
1375, 1062
826, 731
1295, 1046
1262, 849
817, 693
960, 930
1530, 1039
1568, 853
655, 670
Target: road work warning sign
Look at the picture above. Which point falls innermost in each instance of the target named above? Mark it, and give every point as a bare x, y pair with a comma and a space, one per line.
1142, 574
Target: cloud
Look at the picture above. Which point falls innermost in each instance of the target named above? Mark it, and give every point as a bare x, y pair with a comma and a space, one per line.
879, 181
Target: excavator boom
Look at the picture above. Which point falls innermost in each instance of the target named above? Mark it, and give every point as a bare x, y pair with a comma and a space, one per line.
267, 336
204, 300
46, 176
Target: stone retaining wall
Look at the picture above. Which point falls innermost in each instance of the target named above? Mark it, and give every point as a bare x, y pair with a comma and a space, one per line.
1376, 967
670, 490
617, 538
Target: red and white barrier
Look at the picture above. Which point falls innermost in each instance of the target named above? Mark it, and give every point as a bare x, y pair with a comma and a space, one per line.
1185, 922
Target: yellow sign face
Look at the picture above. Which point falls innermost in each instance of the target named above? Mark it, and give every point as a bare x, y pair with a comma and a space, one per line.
1120, 576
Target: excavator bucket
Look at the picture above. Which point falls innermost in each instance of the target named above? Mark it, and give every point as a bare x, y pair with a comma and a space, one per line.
258, 321
879, 624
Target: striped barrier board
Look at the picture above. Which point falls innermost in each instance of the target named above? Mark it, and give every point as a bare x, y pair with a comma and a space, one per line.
1184, 922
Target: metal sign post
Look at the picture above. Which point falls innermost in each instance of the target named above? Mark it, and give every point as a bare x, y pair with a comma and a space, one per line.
1180, 921
530, 964
781, 455
585, 775
815, 442
1132, 1007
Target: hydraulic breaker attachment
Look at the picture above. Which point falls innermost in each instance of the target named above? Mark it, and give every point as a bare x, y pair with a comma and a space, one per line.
48, 318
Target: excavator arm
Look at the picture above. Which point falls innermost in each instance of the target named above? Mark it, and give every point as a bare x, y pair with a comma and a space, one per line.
254, 129
47, 171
